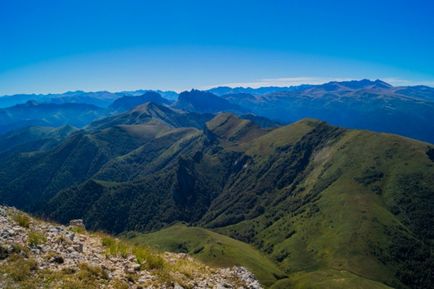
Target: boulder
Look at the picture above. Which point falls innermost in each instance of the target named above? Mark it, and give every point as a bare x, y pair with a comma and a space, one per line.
77, 223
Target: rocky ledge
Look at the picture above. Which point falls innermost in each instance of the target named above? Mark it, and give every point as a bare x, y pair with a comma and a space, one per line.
39, 254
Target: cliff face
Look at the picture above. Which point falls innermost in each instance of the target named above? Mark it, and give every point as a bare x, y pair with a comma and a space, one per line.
38, 254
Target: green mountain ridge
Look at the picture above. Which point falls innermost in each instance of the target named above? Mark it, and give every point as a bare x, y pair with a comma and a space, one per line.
323, 203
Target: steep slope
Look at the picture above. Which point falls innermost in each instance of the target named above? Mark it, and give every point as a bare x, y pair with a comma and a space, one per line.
158, 188
347, 209
30, 179
174, 177
106, 152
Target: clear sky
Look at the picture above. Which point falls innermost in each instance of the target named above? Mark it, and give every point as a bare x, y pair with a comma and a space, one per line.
60, 45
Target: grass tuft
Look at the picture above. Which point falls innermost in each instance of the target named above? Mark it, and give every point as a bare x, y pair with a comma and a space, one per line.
144, 256
36, 238
22, 219
77, 229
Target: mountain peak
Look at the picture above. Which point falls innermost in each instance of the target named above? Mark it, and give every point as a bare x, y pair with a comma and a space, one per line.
356, 84
128, 102
204, 101
230, 127
149, 107
151, 111
379, 83
195, 95
31, 103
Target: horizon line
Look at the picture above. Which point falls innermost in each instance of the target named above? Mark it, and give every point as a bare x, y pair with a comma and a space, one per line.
283, 82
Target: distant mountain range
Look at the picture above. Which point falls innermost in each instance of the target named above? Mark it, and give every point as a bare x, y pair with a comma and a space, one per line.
33, 113
128, 102
364, 104
323, 203
202, 101
224, 90
98, 98
361, 104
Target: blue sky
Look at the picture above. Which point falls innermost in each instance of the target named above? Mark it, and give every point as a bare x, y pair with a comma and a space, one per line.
60, 45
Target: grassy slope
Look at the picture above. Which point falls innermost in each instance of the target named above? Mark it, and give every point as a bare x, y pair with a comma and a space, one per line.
350, 228
328, 279
212, 248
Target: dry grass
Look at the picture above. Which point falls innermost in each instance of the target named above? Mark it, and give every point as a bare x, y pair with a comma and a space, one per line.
36, 238
20, 271
21, 219
18, 268
147, 258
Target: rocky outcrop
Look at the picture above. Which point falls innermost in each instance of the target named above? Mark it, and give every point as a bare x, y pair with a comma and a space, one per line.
63, 250
77, 223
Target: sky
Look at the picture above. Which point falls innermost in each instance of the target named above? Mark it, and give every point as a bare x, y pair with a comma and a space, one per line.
61, 45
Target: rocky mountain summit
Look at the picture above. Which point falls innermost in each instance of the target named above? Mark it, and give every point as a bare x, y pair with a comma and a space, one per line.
39, 254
